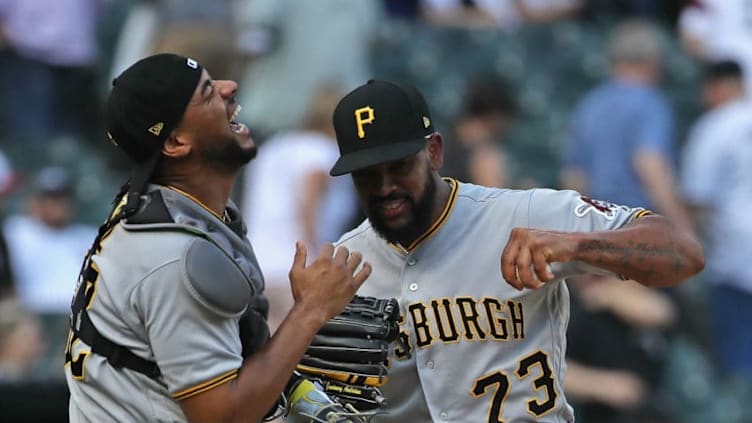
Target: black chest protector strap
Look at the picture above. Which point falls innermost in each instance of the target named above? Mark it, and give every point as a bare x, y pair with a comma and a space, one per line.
117, 355
81, 325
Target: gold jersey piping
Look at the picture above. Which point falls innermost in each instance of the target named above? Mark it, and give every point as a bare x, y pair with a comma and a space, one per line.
203, 387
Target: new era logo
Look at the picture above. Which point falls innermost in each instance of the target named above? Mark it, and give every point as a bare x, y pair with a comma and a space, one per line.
156, 129
192, 63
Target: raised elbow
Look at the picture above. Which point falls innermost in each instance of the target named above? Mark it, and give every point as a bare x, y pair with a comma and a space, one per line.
689, 260
692, 258
696, 258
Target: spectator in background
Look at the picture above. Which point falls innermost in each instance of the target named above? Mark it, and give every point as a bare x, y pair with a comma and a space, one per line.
717, 184
618, 338
621, 149
21, 341
296, 46
474, 151
46, 244
48, 50
290, 177
621, 146
202, 30
506, 15
714, 30
665, 11
8, 182
408, 10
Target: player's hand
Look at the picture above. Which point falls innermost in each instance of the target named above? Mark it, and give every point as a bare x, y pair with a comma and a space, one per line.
525, 261
330, 282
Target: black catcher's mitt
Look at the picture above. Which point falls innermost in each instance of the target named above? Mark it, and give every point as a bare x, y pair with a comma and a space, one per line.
347, 356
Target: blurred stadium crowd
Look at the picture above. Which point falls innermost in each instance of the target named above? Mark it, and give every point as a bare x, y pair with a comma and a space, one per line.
637, 102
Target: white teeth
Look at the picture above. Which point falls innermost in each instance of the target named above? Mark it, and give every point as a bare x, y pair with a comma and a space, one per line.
390, 205
235, 113
237, 127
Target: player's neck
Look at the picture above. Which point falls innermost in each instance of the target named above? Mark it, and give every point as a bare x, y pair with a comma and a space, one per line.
210, 192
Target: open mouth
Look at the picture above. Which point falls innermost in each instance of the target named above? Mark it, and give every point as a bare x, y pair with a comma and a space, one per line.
238, 128
392, 208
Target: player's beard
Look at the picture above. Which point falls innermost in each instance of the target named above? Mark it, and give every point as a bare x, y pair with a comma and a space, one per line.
229, 154
422, 213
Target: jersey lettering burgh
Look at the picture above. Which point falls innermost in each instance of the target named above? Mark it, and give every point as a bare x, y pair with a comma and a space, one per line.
480, 350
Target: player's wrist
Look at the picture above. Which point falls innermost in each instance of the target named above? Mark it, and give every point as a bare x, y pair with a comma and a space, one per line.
586, 246
308, 317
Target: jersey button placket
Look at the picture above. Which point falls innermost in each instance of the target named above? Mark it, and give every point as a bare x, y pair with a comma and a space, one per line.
408, 275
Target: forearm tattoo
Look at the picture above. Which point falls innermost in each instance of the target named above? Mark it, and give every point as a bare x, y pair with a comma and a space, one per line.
639, 256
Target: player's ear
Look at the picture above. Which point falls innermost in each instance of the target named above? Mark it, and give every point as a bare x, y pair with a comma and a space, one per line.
435, 150
176, 145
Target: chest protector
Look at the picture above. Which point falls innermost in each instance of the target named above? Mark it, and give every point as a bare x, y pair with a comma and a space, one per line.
205, 263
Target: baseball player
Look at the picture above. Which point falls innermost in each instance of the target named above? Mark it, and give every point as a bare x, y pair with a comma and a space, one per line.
479, 272
168, 322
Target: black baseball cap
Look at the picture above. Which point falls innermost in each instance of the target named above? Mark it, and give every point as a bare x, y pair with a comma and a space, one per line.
147, 102
379, 122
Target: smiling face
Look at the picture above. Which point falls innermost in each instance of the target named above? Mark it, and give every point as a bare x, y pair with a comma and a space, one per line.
400, 197
210, 123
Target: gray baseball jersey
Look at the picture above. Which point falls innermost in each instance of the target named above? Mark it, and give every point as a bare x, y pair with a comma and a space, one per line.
472, 348
144, 300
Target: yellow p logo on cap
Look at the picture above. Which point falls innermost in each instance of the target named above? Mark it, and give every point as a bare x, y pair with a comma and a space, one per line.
363, 116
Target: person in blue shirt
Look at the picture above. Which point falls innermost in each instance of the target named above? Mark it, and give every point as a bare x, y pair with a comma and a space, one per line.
621, 143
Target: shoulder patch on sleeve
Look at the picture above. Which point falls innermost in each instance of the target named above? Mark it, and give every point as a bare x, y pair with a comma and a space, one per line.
587, 205
214, 280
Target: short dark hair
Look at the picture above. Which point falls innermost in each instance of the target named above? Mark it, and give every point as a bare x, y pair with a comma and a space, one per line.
723, 69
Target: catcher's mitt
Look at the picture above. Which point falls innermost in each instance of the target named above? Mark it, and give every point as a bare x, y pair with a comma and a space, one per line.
347, 355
